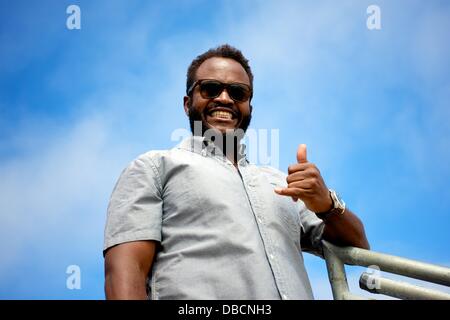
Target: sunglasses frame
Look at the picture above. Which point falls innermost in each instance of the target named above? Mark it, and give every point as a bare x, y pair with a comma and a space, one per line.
224, 86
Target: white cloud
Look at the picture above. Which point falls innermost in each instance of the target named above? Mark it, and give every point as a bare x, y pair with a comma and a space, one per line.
45, 192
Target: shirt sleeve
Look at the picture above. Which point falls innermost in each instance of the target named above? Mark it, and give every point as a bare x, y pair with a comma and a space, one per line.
312, 232
135, 207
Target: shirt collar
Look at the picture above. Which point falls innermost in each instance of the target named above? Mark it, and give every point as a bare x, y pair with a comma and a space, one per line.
204, 146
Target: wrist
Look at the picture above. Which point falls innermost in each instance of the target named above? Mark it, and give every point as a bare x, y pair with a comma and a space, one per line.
337, 207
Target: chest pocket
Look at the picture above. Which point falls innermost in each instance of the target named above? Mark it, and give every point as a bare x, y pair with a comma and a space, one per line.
283, 210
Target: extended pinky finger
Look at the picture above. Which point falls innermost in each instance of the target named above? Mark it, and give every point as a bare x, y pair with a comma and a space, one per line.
291, 192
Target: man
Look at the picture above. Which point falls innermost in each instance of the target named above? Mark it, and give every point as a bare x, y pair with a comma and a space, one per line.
200, 222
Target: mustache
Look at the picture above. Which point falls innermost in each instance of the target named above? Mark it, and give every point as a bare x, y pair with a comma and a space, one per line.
212, 105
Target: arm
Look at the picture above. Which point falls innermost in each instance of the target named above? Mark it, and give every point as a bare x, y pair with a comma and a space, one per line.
345, 230
127, 266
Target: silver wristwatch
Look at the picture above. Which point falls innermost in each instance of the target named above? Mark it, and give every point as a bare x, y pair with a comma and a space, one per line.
338, 206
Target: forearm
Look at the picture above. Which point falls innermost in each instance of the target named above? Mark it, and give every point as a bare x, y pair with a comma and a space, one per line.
345, 230
125, 286
126, 269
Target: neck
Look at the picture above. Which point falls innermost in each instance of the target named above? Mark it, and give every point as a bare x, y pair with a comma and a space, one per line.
230, 147
231, 151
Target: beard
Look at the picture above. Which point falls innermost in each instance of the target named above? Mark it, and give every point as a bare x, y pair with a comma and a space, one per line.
196, 117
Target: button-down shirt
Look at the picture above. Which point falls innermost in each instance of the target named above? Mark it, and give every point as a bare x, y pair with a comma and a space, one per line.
223, 231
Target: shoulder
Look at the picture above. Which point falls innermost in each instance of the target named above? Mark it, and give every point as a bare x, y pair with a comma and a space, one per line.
145, 163
158, 161
152, 157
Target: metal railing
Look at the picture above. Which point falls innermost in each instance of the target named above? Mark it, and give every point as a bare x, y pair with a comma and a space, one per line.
336, 257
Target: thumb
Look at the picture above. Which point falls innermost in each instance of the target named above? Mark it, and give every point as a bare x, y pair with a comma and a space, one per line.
301, 154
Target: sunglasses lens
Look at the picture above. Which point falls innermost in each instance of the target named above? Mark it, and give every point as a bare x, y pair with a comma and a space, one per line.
210, 89
239, 92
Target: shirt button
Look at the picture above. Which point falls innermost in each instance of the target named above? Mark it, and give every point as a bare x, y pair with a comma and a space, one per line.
271, 256
284, 296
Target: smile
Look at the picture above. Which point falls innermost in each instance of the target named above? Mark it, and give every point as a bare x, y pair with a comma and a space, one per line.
222, 114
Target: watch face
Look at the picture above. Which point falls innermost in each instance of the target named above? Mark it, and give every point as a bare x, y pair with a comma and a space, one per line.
339, 198
338, 207
339, 204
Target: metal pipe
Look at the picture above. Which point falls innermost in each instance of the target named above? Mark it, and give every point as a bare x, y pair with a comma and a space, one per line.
338, 278
351, 296
401, 290
410, 268
336, 274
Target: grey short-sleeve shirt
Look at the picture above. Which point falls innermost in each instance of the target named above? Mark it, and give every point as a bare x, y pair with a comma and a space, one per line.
224, 232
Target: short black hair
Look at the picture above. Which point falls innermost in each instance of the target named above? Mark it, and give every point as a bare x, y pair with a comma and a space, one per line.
222, 51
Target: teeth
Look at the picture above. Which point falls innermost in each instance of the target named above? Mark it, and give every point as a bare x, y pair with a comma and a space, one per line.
222, 114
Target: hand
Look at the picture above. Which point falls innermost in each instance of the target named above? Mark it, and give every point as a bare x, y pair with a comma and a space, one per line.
306, 183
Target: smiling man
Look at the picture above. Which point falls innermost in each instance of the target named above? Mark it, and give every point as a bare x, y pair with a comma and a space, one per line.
200, 222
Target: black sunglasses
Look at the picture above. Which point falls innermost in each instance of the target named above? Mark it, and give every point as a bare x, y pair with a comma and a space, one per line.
210, 89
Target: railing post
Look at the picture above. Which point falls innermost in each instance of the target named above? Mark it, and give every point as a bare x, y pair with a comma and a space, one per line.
336, 274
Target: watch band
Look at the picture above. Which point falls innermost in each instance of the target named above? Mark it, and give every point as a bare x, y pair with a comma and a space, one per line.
337, 209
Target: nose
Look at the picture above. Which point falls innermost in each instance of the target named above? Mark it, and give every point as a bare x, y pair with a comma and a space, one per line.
224, 97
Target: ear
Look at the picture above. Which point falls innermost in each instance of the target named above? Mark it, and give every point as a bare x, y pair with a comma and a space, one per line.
186, 104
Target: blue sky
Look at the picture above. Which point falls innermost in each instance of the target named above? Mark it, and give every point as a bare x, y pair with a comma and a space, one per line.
77, 105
